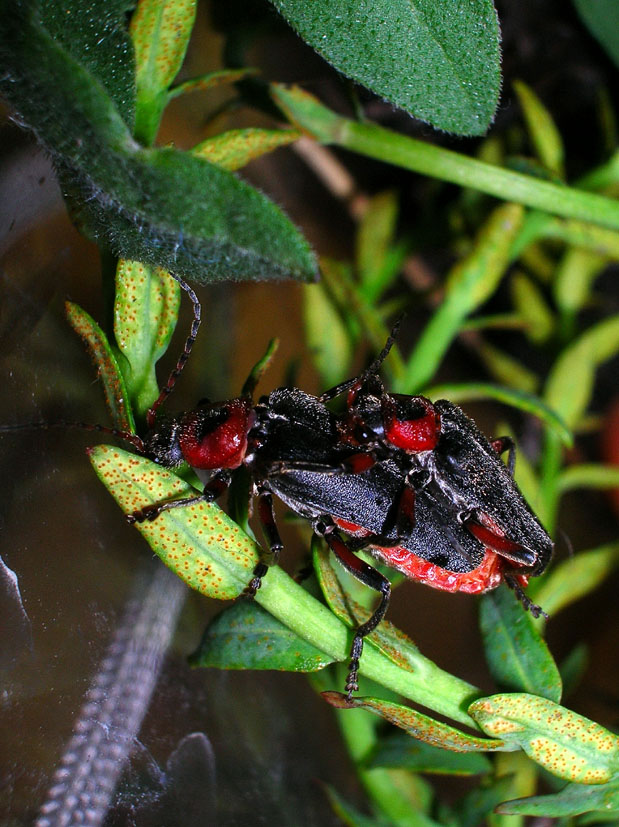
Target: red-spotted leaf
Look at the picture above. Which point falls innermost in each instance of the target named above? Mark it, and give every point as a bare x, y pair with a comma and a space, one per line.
565, 743
198, 542
114, 387
416, 724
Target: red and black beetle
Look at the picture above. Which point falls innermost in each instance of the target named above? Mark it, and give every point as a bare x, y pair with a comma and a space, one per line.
414, 482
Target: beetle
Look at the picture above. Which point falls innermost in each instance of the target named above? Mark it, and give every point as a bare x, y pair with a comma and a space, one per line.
414, 482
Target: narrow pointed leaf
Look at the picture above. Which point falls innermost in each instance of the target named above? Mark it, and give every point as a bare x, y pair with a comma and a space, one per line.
570, 384
234, 149
576, 577
329, 343
160, 30
145, 314
210, 80
375, 237
517, 655
245, 636
439, 62
469, 284
572, 800
543, 131
114, 387
589, 475
565, 743
418, 725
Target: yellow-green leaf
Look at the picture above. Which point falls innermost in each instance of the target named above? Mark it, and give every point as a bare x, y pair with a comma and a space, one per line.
565, 743
234, 149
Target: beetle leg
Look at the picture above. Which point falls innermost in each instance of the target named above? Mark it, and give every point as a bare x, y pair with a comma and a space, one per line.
370, 577
273, 540
212, 490
526, 601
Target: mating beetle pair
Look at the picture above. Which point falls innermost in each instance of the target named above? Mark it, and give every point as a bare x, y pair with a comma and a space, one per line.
415, 483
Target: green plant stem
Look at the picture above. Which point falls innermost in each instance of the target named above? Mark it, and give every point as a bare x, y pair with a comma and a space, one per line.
427, 685
436, 162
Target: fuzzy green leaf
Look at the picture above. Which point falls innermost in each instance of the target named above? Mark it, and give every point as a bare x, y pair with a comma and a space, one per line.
96, 36
163, 207
565, 743
245, 636
517, 655
439, 61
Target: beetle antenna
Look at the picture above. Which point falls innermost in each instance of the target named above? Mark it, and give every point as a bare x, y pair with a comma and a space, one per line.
372, 369
189, 342
126, 436
376, 364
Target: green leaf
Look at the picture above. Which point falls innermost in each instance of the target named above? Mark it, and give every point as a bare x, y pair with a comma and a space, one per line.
349, 815
329, 343
114, 387
440, 62
570, 384
162, 207
517, 655
375, 237
469, 284
160, 30
245, 636
542, 129
505, 369
602, 19
572, 800
400, 751
95, 35
145, 314
530, 303
198, 542
209, 81
526, 402
574, 278
565, 743
416, 724
589, 475
234, 149
576, 577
